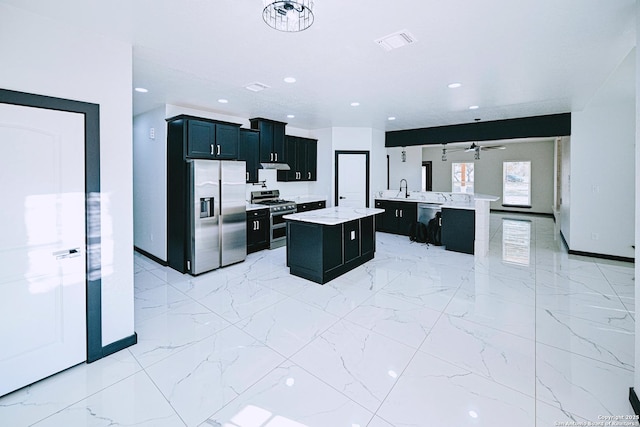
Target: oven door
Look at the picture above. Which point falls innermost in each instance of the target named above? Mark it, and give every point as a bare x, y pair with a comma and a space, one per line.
279, 229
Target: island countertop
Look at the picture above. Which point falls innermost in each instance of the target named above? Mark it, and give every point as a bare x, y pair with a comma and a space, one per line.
334, 215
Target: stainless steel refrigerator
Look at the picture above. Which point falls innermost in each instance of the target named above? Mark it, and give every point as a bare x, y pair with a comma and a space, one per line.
217, 214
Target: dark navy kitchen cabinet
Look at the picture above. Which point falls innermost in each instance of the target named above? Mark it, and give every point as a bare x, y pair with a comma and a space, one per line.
272, 140
249, 151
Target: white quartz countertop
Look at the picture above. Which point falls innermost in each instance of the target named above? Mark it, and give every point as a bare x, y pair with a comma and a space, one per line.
445, 200
333, 216
306, 199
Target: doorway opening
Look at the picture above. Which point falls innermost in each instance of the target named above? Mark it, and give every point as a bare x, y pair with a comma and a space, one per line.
427, 175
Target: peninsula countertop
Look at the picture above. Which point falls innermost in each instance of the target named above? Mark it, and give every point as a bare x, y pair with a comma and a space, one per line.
334, 215
443, 199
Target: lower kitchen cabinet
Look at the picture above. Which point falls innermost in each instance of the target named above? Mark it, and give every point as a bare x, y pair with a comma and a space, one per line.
458, 230
257, 230
311, 206
398, 217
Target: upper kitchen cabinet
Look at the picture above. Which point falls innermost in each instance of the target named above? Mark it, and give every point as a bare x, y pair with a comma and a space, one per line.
249, 151
203, 138
302, 155
272, 140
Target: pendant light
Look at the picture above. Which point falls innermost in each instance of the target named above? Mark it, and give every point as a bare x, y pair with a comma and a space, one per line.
288, 15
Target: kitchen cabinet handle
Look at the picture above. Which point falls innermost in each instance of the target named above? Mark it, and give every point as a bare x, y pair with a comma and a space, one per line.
247, 176
400, 213
212, 149
271, 157
218, 152
276, 157
396, 213
309, 176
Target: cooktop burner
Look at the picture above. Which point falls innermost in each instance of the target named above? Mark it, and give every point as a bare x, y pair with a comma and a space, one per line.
272, 199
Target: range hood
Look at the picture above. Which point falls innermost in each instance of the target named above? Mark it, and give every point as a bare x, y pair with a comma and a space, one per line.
277, 166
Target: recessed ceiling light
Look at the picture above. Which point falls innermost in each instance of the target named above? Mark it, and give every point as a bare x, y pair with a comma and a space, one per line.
355, 104
454, 85
141, 90
290, 116
391, 118
290, 79
473, 107
223, 101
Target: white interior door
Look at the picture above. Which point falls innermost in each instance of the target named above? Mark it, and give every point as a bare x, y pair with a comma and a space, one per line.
352, 180
42, 244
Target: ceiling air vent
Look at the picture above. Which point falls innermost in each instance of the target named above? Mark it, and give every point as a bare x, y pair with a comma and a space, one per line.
256, 87
396, 40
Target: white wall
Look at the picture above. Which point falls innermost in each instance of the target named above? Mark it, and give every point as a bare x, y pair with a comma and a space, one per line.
378, 164
636, 383
488, 170
411, 170
565, 190
603, 169
43, 57
149, 183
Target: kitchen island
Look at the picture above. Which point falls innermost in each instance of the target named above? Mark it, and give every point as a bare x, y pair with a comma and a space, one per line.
326, 243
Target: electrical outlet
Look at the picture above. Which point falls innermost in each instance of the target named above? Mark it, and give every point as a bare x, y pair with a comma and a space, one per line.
595, 236
152, 133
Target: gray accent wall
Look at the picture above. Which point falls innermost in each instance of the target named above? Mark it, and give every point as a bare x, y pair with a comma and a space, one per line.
488, 170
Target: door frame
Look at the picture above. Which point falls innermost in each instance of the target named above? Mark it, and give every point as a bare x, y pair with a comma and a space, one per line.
337, 159
93, 280
428, 184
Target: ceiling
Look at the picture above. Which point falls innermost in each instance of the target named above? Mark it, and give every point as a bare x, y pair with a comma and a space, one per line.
513, 58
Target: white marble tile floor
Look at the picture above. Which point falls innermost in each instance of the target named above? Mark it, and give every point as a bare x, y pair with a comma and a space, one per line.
526, 336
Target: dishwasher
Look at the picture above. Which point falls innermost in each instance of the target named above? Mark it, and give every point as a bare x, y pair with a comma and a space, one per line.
427, 211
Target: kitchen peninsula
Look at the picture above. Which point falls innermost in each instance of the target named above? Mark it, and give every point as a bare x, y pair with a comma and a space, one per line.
326, 243
465, 217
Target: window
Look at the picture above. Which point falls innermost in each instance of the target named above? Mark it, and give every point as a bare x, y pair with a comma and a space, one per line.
462, 177
516, 184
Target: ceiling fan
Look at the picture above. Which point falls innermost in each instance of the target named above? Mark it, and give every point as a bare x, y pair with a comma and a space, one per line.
473, 147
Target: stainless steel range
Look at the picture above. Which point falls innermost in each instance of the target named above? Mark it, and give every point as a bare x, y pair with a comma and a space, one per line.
277, 208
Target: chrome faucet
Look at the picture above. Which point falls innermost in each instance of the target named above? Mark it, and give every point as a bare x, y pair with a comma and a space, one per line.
406, 190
